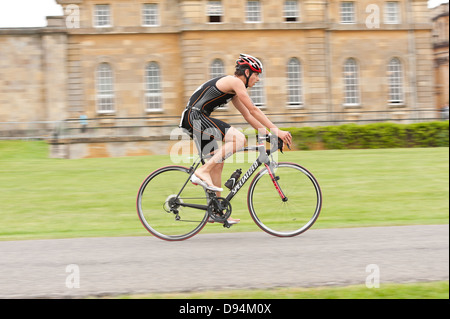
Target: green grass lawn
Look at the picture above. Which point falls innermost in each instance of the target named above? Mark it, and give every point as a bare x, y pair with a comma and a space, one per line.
55, 198
424, 290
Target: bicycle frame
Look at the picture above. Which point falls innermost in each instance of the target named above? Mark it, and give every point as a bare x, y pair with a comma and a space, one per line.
293, 215
263, 158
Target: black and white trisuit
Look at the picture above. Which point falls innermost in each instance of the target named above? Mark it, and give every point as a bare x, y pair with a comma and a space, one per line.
196, 117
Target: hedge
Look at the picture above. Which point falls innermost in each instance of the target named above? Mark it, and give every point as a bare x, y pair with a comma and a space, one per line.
378, 135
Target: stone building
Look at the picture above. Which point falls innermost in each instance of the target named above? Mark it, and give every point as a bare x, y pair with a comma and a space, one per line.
440, 46
135, 63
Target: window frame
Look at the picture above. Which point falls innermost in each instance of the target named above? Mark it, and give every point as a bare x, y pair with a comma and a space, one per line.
216, 68
392, 17
152, 77
105, 90
351, 79
396, 95
343, 14
211, 6
97, 16
149, 11
291, 11
258, 13
294, 83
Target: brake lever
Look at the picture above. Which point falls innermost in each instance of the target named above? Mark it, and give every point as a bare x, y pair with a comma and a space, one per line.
280, 145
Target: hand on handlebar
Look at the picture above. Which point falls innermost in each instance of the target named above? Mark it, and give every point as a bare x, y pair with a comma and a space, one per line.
278, 142
286, 137
283, 138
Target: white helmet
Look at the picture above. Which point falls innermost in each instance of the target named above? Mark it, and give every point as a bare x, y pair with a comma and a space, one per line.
247, 61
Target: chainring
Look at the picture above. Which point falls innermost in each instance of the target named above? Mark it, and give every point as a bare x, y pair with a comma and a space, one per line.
219, 209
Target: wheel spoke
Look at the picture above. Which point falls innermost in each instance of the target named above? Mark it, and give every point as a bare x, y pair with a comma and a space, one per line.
290, 217
159, 206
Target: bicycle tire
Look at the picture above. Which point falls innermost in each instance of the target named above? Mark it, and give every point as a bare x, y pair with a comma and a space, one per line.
285, 218
155, 195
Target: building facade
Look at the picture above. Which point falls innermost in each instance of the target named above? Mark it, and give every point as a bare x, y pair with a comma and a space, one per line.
326, 62
440, 47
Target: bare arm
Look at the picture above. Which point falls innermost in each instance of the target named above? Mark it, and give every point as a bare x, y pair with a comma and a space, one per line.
247, 116
253, 115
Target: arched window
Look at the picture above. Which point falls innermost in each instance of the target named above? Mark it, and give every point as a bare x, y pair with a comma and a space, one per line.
105, 88
153, 92
351, 82
395, 77
294, 85
216, 69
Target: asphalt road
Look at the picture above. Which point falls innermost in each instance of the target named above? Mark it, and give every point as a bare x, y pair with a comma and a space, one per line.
73, 268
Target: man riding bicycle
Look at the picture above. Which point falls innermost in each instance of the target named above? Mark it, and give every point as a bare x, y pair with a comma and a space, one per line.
207, 130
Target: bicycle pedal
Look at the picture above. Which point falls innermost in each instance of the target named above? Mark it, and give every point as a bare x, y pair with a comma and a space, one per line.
226, 224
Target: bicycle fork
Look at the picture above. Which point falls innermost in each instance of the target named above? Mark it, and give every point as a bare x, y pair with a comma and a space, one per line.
271, 169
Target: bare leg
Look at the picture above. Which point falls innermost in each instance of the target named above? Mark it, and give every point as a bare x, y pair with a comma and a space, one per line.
211, 172
216, 176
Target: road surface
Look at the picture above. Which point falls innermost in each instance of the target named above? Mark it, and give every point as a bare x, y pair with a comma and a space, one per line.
75, 268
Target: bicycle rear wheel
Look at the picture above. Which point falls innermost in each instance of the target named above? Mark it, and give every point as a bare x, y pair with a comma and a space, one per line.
285, 218
159, 209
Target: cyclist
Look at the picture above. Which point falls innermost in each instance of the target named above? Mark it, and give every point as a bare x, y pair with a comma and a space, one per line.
207, 130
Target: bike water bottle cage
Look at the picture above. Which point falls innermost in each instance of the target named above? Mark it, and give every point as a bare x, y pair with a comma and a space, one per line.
232, 181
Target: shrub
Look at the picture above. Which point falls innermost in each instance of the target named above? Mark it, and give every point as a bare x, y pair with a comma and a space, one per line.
378, 135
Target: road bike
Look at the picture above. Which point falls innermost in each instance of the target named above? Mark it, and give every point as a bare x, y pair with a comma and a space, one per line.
284, 199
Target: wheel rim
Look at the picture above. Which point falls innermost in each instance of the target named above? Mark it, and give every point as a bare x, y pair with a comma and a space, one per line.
298, 213
156, 204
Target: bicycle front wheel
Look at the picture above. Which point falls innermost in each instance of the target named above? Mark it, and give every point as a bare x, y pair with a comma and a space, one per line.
159, 204
289, 217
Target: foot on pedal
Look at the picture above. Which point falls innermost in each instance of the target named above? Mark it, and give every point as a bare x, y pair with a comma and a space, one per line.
229, 221
197, 181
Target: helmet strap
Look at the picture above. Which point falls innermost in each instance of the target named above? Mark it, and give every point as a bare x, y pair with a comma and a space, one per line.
248, 77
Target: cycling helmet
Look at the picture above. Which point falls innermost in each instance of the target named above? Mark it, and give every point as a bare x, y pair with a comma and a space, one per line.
247, 61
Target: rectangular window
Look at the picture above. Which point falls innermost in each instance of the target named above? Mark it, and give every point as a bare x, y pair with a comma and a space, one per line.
294, 83
395, 75
150, 15
102, 16
348, 12
253, 11
214, 11
105, 89
290, 11
153, 92
392, 13
351, 83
